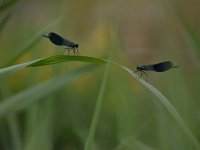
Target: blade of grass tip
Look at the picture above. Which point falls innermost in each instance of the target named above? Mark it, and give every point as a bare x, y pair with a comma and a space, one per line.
17, 53
65, 58
14, 68
172, 110
97, 111
27, 97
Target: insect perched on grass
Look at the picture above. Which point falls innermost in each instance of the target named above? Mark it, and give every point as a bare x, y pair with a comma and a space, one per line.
160, 67
60, 41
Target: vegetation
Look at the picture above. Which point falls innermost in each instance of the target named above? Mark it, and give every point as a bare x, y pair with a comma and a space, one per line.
95, 100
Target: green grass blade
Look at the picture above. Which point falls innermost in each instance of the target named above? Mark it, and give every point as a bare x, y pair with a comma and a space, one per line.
33, 94
172, 110
14, 68
22, 99
97, 109
65, 58
16, 54
49, 61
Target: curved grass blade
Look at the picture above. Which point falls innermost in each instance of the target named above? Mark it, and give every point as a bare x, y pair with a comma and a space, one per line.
14, 68
49, 61
172, 110
65, 58
33, 94
10, 104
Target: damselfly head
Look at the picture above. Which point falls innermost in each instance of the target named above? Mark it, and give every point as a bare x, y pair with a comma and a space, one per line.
76, 45
140, 68
159, 67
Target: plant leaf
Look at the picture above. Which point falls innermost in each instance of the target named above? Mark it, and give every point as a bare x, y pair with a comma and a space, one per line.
168, 105
97, 111
49, 61
14, 68
65, 58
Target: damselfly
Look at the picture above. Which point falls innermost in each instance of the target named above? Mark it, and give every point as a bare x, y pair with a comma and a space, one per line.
160, 67
60, 41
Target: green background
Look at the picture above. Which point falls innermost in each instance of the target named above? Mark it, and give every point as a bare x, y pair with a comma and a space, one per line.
54, 105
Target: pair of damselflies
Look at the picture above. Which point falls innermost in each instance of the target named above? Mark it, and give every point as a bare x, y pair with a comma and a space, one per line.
60, 41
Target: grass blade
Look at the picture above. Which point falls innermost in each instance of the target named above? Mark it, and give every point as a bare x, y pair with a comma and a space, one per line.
172, 110
65, 58
33, 94
10, 104
14, 68
97, 109
49, 61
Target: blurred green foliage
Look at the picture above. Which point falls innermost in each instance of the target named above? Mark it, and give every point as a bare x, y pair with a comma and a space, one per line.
128, 32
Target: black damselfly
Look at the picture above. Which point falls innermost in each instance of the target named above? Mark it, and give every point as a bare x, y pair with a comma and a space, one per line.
159, 67
60, 41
